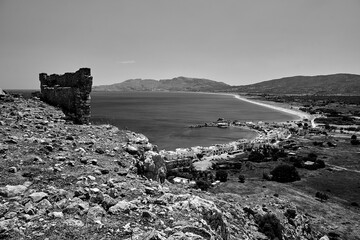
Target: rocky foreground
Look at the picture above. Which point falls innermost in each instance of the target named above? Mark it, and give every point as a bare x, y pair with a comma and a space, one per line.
64, 181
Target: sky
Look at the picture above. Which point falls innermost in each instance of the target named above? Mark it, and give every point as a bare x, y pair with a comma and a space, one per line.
233, 41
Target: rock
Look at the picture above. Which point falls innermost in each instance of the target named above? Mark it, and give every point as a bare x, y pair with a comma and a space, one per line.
100, 150
3, 209
93, 161
77, 205
325, 237
95, 214
59, 215
147, 214
14, 190
198, 231
154, 166
122, 206
149, 190
122, 171
44, 204
30, 209
38, 196
104, 171
92, 178
132, 149
108, 202
73, 222
12, 170
6, 225
97, 197
137, 138
84, 160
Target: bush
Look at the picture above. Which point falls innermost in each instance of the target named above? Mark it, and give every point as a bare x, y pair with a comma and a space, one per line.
321, 196
353, 137
319, 164
221, 175
203, 185
285, 173
355, 142
241, 178
256, 156
270, 225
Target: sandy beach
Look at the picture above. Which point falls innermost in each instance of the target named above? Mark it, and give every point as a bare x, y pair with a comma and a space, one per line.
301, 115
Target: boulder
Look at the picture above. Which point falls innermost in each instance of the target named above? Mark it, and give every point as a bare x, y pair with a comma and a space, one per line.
122, 206
73, 222
14, 190
95, 214
154, 166
137, 138
108, 202
38, 196
6, 225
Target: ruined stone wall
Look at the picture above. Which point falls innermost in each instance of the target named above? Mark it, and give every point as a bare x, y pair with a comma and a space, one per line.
70, 92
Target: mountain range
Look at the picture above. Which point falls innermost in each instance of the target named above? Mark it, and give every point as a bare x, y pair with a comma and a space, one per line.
175, 84
335, 84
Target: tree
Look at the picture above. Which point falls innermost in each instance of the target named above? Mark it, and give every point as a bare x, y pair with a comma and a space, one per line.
270, 225
203, 185
285, 173
221, 175
256, 156
241, 178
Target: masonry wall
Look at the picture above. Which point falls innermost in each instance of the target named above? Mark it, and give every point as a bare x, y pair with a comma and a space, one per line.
70, 92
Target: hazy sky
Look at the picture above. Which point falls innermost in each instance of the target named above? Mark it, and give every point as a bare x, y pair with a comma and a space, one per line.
234, 41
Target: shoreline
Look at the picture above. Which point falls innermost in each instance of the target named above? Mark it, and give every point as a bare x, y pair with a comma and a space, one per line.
267, 104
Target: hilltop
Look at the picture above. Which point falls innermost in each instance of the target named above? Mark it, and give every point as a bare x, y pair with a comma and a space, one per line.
335, 84
174, 84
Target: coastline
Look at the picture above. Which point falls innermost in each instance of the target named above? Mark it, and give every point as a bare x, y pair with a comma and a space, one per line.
268, 104
272, 105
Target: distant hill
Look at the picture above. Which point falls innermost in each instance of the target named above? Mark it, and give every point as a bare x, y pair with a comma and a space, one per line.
335, 84
175, 84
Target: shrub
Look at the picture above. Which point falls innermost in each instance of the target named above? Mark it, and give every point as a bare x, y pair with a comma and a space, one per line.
319, 163
355, 142
290, 213
285, 173
256, 156
203, 185
270, 225
353, 137
221, 175
241, 178
321, 196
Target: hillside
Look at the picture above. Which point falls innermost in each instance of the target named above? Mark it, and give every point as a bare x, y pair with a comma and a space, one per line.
175, 84
339, 84
64, 181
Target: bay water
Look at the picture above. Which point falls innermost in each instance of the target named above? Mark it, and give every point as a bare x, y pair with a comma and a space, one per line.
165, 117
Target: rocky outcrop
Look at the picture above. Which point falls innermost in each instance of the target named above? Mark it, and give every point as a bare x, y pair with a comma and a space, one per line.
70, 92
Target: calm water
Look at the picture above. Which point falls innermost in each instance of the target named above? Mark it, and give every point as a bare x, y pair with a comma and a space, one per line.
164, 117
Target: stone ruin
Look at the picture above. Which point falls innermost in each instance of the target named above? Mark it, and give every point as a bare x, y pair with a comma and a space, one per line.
70, 92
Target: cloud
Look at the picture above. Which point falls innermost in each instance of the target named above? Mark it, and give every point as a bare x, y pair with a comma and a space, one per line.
126, 62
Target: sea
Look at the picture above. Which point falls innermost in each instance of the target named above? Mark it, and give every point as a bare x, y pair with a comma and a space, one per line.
165, 117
